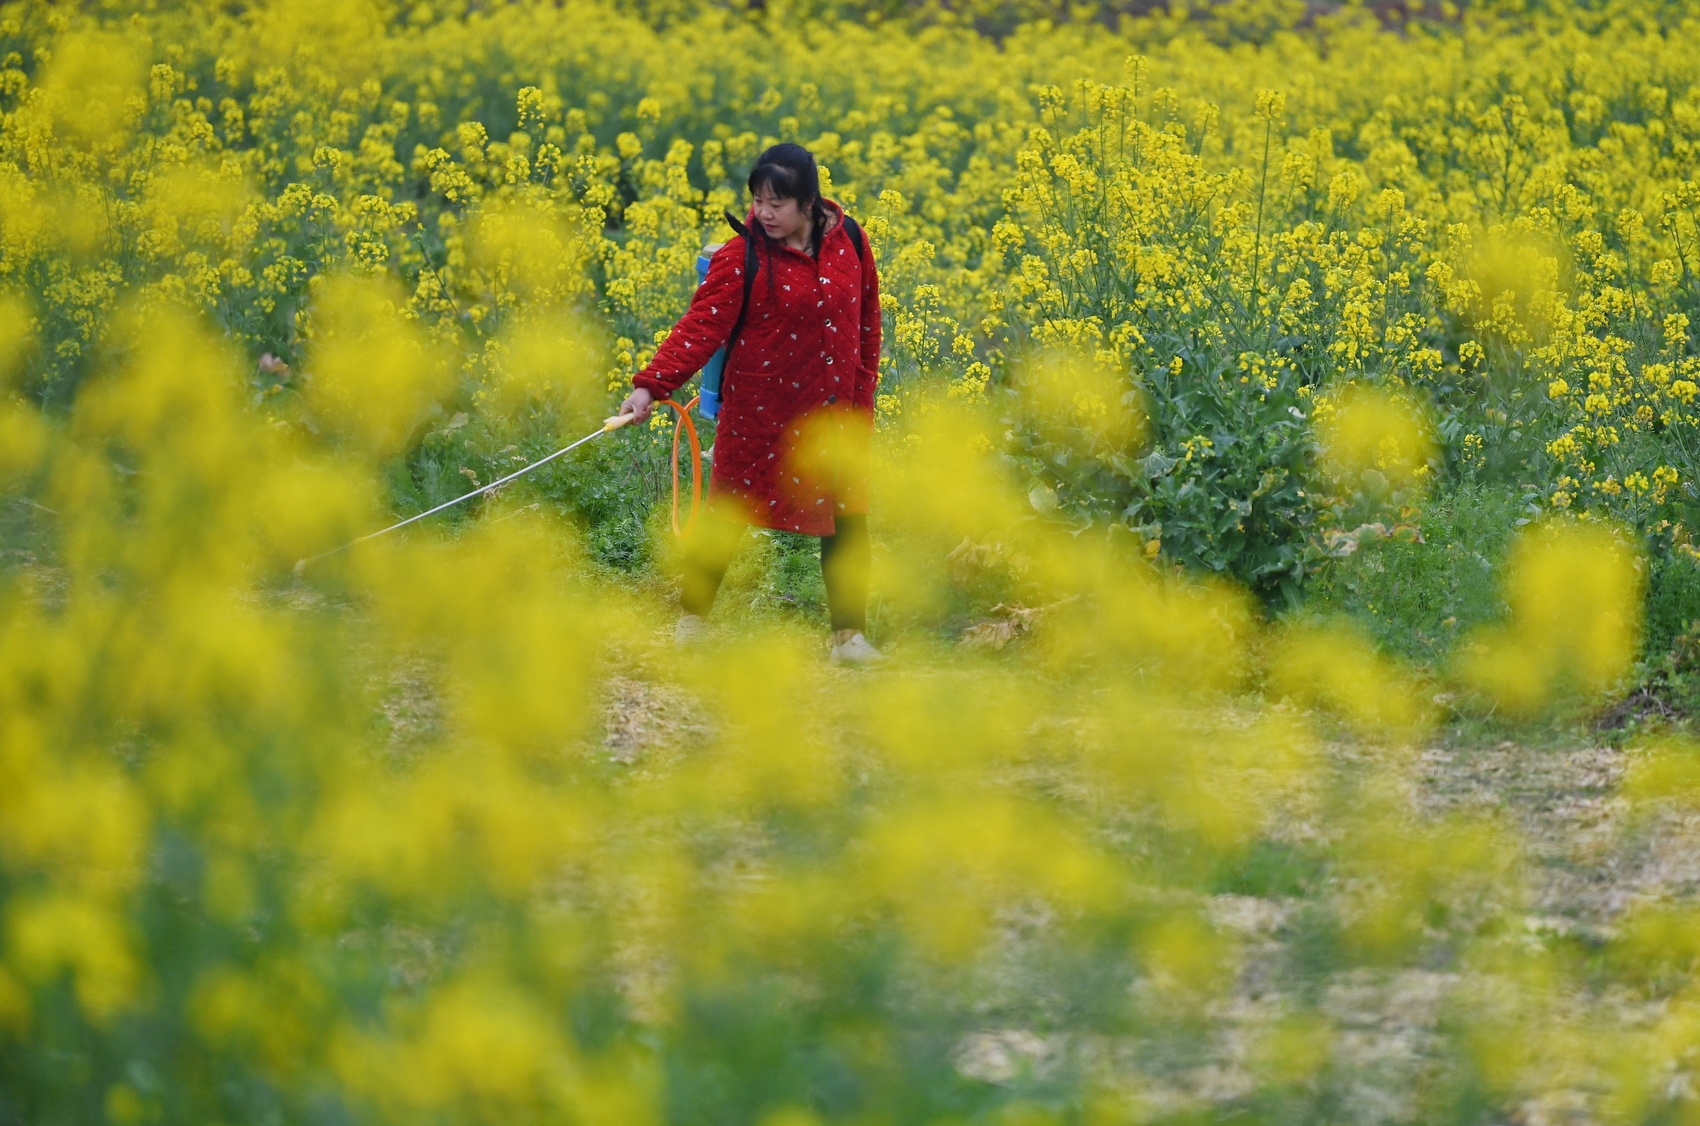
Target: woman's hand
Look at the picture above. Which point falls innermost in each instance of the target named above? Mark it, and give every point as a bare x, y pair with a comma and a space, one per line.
638, 404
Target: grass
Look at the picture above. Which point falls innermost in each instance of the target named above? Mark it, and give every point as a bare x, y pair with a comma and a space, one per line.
1416, 600
776, 575
1419, 601
27, 541
1673, 601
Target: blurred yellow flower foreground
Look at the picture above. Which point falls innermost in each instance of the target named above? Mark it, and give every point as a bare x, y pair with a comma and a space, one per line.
445, 830
383, 845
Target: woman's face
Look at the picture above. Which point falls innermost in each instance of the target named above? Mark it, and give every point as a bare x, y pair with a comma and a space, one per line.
780, 218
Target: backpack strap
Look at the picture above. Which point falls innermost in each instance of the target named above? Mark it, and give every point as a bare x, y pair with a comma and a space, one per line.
751, 263
858, 237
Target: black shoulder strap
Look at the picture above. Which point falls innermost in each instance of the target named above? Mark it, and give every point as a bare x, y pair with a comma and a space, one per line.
751, 263
858, 239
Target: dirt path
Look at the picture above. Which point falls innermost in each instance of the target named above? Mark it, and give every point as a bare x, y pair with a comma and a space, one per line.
1586, 860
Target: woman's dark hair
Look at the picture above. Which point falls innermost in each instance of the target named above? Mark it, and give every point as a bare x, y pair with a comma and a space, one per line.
789, 172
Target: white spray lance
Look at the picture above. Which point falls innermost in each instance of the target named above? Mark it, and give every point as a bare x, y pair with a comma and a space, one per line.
608, 424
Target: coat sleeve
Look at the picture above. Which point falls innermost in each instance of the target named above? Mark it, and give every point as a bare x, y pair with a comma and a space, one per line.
705, 326
868, 373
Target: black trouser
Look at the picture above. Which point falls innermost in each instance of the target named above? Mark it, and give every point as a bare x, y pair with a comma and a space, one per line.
844, 560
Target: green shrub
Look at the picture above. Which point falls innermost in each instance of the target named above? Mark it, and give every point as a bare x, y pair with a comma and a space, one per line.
1226, 297
1673, 601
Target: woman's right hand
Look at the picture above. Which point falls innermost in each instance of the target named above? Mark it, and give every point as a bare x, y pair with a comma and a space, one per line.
638, 404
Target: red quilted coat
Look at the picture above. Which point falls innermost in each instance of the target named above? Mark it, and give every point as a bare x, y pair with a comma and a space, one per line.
804, 367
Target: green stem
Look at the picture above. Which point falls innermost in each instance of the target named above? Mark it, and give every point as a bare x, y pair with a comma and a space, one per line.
1257, 238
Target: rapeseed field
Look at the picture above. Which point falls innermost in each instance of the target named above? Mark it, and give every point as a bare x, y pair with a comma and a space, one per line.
1195, 319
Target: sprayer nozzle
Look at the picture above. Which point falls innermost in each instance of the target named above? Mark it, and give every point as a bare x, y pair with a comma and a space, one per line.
300, 566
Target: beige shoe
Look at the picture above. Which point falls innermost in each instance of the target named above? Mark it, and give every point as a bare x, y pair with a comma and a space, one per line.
690, 630
856, 650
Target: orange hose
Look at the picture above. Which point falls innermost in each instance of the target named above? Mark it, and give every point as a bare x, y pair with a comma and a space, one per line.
698, 494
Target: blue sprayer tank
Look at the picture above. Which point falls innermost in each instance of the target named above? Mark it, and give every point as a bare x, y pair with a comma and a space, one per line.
708, 398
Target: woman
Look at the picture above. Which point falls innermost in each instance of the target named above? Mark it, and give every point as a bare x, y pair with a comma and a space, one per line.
798, 392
